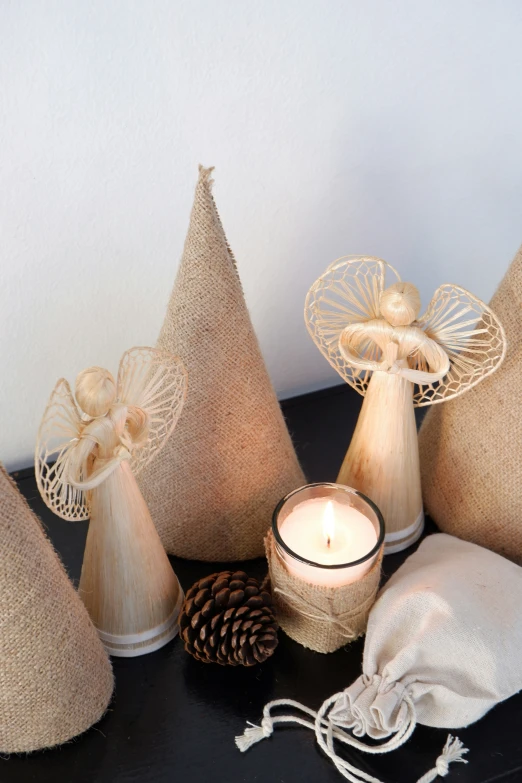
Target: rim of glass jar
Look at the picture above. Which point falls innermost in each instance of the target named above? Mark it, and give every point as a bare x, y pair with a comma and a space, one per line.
329, 567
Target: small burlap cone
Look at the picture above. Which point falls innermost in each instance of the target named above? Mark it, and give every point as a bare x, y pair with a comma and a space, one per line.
471, 447
212, 489
318, 617
55, 677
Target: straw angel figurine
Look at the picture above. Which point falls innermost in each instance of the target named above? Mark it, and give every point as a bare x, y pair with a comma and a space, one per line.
371, 333
87, 457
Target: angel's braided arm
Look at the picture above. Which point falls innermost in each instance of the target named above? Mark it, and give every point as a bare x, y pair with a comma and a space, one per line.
78, 460
137, 425
358, 335
437, 360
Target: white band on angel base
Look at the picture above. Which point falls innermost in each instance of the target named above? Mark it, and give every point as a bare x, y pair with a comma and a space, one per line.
132, 645
396, 542
326, 732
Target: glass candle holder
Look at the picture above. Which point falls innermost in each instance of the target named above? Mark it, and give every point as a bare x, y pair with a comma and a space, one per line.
328, 534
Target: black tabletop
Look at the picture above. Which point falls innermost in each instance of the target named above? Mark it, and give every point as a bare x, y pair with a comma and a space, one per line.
174, 719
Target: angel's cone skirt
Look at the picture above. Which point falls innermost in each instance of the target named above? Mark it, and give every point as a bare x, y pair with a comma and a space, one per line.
127, 583
383, 459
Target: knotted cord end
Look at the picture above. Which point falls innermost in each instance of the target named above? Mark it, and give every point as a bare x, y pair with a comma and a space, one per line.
453, 750
254, 734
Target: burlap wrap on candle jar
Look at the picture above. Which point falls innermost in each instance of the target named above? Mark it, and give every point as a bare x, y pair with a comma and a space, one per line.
212, 489
55, 677
470, 447
318, 617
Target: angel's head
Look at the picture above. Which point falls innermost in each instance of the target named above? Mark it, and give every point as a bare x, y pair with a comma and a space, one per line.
95, 391
400, 304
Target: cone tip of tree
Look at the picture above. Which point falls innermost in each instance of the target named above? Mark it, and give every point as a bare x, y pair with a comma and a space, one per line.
204, 174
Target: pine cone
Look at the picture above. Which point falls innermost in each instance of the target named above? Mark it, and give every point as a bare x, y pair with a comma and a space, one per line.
228, 619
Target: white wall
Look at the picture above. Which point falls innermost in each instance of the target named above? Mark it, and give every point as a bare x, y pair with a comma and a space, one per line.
336, 127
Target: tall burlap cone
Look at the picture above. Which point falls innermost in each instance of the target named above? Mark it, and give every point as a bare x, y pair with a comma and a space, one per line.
471, 447
55, 677
212, 489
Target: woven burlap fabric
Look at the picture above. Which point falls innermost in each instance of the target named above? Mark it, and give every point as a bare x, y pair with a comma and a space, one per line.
443, 642
318, 617
55, 677
471, 447
212, 489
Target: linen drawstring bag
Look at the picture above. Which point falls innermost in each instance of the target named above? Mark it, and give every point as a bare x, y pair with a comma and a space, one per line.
212, 489
55, 677
442, 648
471, 447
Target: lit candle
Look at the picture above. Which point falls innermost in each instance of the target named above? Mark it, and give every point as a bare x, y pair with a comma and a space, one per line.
326, 539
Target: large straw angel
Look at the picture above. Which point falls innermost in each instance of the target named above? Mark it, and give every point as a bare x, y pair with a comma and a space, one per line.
87, 458
372, 335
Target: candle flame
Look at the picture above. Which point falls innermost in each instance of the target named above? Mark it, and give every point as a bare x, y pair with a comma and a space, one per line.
328, 523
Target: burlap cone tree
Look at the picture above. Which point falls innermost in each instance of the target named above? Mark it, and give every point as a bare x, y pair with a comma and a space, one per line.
212, 489
471, 447
55, 677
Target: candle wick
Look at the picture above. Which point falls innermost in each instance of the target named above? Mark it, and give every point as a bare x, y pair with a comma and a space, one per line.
328, 523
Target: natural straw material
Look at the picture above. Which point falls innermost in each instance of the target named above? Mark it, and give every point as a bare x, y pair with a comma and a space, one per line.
470, 448
88, 452
55, 677
371, 333
212, 490
318, 617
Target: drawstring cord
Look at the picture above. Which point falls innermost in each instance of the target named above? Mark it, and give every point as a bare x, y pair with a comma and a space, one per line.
338, 621
453, 751
326, 734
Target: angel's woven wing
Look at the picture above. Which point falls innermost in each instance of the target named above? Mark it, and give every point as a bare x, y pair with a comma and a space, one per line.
471, 335
155, 381
59, 431
346, 293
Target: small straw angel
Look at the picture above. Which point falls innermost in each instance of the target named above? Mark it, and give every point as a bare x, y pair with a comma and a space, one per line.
371, 333
88, 453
